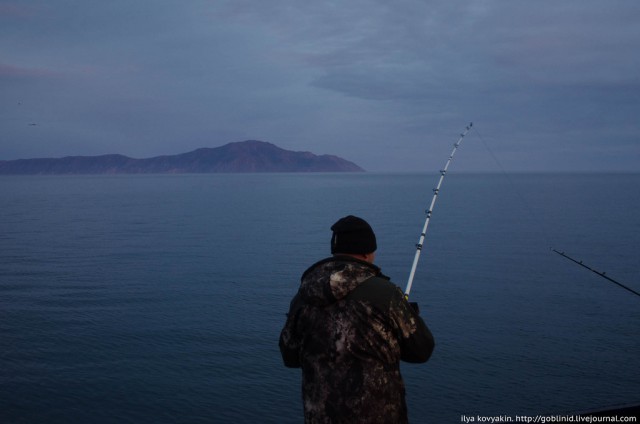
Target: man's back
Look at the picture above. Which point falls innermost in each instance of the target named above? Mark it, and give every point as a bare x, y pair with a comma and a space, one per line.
348, 327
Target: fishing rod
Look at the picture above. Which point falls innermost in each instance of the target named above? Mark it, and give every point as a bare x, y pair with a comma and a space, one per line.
602, 274
436, 191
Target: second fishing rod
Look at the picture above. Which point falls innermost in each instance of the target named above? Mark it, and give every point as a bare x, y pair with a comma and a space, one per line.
429, 211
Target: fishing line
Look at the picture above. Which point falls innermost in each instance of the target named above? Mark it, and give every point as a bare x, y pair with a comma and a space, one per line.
545, 233
436, 191
523, 201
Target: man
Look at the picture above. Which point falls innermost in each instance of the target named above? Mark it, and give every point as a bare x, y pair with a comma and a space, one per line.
348, 328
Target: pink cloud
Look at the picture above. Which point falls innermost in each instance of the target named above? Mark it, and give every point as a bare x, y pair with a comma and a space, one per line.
12, 71
15, 10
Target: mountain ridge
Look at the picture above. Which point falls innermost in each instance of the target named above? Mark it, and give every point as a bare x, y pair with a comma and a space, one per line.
236, 157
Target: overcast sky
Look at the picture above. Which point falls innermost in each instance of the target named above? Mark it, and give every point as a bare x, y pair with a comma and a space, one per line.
549, 85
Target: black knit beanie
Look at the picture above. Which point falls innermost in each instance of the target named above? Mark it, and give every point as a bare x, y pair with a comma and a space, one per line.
352, 235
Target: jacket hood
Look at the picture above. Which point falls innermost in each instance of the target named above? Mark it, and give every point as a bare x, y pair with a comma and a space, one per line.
333, 278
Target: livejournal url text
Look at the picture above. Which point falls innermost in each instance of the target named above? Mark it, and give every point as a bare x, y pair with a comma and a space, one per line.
543, 419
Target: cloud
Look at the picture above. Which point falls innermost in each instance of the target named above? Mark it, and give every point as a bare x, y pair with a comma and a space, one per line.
377, 81
13, 71
13, 10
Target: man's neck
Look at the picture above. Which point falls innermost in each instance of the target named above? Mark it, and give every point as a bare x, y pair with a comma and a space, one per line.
367, 257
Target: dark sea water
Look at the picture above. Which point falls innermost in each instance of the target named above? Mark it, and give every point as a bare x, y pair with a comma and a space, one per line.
159, 299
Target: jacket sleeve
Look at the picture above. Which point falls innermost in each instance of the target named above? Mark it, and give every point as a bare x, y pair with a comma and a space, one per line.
415, 339
290, 342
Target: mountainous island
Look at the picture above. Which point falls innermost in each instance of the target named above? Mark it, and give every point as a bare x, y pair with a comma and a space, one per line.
243, 156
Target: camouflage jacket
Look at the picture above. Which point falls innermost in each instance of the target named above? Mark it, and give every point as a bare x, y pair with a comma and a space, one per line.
348, 328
